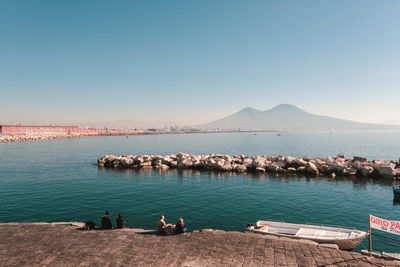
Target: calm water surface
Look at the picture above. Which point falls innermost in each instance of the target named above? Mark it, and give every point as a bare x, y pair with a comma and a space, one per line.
58, 180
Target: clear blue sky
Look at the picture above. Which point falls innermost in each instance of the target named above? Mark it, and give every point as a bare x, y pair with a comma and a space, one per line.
195, 61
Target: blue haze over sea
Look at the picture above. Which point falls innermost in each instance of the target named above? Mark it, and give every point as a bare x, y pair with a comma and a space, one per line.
58, 180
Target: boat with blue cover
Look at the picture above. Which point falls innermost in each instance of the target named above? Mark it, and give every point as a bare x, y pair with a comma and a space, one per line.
396, 191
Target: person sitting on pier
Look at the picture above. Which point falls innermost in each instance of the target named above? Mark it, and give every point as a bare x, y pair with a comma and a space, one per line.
180, 227
120, 221
106, 221
164, 228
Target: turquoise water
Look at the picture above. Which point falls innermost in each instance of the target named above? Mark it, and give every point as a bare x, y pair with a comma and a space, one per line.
58, 180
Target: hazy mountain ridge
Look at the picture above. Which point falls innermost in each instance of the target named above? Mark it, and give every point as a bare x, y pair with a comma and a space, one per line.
285, 117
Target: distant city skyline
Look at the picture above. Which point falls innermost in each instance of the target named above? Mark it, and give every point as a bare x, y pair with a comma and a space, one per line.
190, 62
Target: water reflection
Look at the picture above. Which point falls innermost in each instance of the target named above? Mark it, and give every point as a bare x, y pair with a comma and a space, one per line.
396, 201
359, 183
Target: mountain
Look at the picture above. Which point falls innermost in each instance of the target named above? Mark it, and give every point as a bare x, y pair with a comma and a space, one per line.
285, 117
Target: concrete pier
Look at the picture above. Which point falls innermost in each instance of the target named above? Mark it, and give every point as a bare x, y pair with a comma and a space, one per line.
31, 244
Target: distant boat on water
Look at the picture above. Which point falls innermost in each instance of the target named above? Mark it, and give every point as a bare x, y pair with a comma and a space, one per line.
396, 189
346, 239
396, 192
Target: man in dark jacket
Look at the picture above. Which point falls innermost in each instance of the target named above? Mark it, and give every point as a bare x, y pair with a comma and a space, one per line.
120, 221
106, 221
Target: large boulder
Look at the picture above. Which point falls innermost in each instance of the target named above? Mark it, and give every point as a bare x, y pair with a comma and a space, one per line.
247, 162
319, 162
280, 164
273, 167
197, 164
311, 168
189, 163
258, 162
349, 171
300, 162
157, 162
385, 170
138, 160
338, 166
227, 166
240, 168
326, 168
126, 162
228, 158
356, 165
166, 161
181, 163
289, 160
162, 167
329, 161
366, 170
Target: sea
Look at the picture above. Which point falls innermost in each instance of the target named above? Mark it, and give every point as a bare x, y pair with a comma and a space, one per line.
58, 180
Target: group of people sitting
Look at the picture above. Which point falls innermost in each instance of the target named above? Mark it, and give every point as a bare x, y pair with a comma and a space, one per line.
106, 222
168, 229
162, 227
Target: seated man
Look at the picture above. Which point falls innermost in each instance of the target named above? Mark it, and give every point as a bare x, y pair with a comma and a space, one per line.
161, 225
164, 228
106, 221
120, 221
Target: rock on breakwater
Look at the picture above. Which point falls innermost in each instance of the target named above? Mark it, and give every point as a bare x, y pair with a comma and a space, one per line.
333, 166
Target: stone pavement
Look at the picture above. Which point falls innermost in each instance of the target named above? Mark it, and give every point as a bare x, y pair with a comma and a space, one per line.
30, 244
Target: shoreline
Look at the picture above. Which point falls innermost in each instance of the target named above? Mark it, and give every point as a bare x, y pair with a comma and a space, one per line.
25, 244
24, 138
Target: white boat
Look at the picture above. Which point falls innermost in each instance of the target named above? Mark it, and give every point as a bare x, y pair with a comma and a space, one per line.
346, 239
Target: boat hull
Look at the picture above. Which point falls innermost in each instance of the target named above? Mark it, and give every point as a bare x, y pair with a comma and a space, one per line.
347, 243
396, 192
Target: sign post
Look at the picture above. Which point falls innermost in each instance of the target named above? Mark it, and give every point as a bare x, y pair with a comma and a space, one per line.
392, 227
389, 226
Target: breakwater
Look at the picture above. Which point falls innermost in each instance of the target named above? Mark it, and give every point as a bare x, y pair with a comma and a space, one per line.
8, 138
331, 166
23, 138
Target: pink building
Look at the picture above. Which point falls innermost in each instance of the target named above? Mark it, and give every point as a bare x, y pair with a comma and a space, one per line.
22, 129
33, 130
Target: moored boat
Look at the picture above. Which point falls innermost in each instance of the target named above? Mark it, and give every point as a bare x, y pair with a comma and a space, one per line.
396, 192
346, 239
